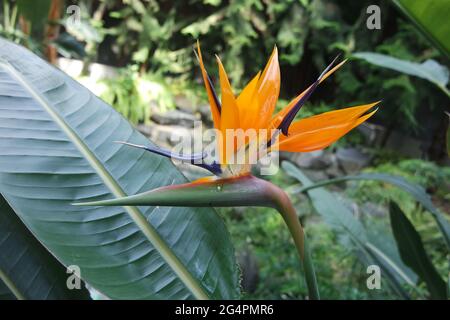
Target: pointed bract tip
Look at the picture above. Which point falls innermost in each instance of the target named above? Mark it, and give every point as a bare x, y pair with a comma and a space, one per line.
197, 43
131, 144
377, 104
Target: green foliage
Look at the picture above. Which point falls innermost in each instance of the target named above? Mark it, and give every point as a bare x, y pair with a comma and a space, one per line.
353, 234
145, 34
427, 174
375, 244
133, 94
401, 98
36, 14
339, 274
9, 26
431, 19
429, 70
159, 37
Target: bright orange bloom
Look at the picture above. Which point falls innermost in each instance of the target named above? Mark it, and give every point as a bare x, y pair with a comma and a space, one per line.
255, 105
253, 111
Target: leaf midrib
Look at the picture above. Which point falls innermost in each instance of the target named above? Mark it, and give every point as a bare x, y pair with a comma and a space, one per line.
147, 229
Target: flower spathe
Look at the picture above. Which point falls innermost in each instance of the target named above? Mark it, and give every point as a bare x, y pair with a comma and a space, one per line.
253, 109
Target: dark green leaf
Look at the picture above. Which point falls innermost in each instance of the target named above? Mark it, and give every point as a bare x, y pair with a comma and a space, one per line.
413, 253
57, 147
26, 266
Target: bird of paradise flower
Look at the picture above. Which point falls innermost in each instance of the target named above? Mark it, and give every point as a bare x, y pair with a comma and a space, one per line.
254, 109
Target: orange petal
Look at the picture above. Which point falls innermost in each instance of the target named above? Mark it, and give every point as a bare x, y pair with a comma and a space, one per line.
276, 120
229, 118
329, 119
245, 98
215, 109
260, 110
320, 131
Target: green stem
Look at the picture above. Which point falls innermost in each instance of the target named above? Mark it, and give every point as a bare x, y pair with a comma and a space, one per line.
289, 214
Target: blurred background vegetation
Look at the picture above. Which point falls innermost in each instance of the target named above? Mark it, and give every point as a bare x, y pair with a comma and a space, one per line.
137, 55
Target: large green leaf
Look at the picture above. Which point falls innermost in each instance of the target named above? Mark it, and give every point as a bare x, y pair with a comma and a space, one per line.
342, 220
56, 148
431, 17
429, 70
413, 253
27, 269
414, 190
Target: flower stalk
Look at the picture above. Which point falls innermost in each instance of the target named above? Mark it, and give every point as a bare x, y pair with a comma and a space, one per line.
289, 214
242, 191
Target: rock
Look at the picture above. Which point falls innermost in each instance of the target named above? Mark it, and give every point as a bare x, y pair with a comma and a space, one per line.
402, 144
175, 117
334, 170
205, 113
165, 136
351, 159
171, 135
372, 132
316, 160
315, 175
184, 104
374, 209
145, 130
288, 156
97, 71
250, 270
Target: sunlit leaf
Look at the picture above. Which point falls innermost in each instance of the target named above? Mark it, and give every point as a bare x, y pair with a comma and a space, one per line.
429, 70
431, 18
